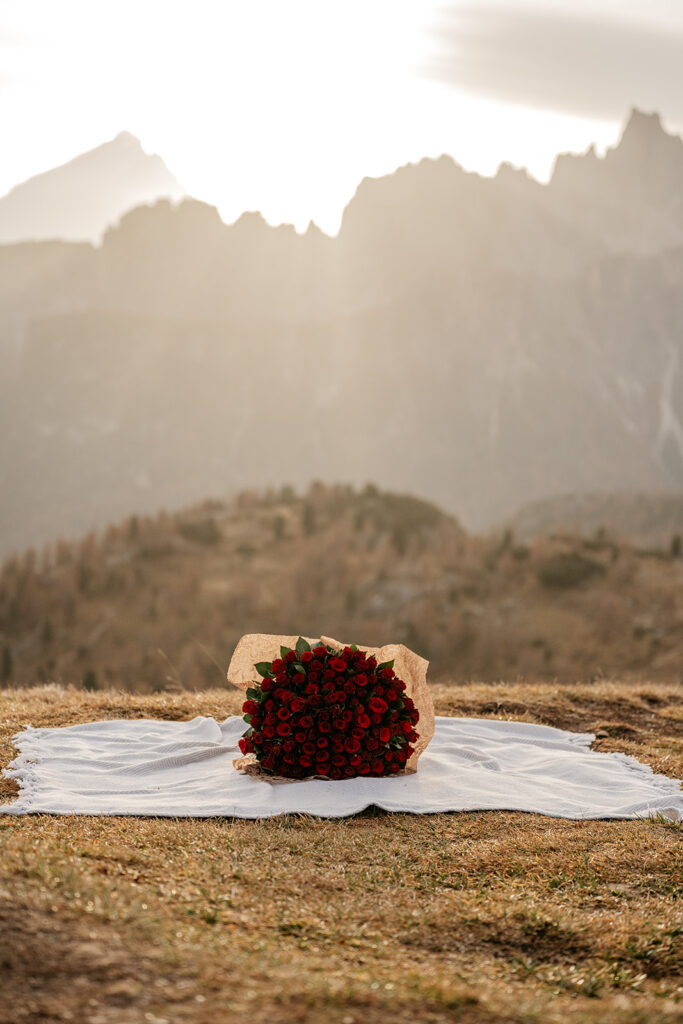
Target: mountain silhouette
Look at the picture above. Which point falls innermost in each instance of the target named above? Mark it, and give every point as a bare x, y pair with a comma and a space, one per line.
483, 342
81, 199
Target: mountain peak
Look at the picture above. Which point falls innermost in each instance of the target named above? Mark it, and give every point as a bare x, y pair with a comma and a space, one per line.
127, 139
642, 125
80, 199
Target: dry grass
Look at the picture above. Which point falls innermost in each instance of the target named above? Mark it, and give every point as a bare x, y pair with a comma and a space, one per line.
489, 917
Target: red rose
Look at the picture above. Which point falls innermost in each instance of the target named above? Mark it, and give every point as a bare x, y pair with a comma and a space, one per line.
297, 730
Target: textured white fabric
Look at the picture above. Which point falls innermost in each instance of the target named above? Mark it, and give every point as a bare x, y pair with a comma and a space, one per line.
184, 769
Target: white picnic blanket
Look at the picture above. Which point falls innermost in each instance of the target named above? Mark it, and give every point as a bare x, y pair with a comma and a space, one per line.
184, 769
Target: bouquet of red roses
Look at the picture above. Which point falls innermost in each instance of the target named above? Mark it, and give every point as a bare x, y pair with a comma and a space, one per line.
333, 713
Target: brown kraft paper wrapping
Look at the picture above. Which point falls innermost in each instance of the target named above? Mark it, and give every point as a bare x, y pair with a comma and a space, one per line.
408, 666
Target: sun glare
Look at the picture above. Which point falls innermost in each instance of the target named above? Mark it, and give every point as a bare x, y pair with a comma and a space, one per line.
261, 105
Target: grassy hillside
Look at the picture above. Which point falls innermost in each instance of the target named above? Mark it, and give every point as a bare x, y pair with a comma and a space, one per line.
159, 603
488, 918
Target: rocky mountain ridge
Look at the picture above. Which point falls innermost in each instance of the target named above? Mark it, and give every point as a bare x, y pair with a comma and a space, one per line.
482, 342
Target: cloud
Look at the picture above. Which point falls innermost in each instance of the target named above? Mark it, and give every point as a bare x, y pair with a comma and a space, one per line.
585, 61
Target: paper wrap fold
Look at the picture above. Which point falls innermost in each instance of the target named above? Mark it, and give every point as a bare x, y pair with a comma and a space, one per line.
408, 666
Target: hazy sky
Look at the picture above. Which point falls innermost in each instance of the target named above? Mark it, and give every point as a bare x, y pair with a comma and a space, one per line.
284, 105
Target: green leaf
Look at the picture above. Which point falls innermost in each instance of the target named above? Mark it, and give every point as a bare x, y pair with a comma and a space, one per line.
264, 668
249, 732
247, 718
354, 647
386, 664
302, 645
298, 668
253, 693
284, 651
